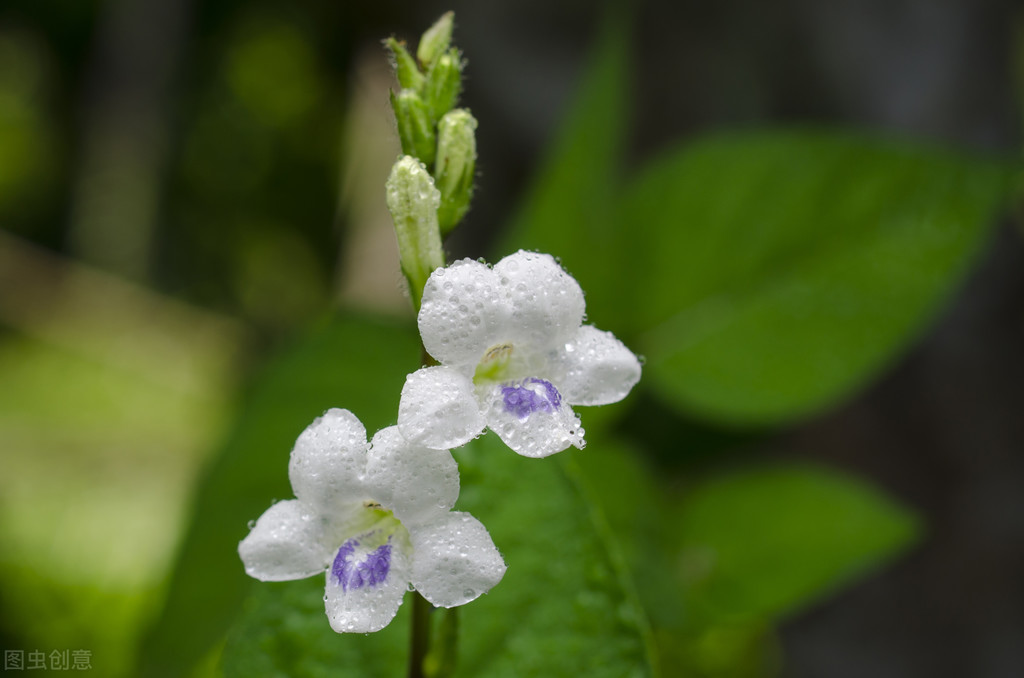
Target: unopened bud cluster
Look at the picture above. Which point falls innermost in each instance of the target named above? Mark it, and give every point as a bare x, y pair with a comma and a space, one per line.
430, 128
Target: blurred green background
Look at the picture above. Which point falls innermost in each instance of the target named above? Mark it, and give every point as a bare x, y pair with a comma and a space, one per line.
188, 191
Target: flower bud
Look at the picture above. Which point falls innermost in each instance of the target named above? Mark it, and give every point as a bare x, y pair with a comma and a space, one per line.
409, 76
415, 129
456, 166
444, 83
413, 200
435, 40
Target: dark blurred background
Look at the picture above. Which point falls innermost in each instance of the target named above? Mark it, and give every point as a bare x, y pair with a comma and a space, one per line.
184, 183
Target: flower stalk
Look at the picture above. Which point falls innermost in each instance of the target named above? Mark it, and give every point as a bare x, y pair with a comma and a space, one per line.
419, 636
417, 207
503, 348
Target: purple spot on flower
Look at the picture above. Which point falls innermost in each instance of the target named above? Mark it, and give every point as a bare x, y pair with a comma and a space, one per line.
369, 570
529, 396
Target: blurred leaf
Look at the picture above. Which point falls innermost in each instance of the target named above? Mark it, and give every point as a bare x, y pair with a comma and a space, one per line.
638, 510
764, 275
773, 272
614, 474
758, 544
717, 566
272, 70
28, 138
357, 362
569, 209
574, 614
561, 610
283, 631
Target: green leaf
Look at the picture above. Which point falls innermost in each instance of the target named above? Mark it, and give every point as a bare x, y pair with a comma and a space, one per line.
771, 273
355, 362
717, 568
566, 588
763, 275
569, 208
283, 632
562, 608
616, 477
639, 511
758, 544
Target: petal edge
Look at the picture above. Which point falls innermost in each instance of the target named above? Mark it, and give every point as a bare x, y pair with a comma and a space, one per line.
455, 560
595, 368
438, 409
285, 544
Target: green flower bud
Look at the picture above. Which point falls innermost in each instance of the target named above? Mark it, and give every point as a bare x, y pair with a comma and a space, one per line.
456, 166
435, 40
409, 76
415, 128
412, 200
444, 83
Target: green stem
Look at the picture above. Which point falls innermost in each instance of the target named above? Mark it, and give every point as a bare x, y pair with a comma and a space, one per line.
419, 245
419, 638
419, 632
440, 661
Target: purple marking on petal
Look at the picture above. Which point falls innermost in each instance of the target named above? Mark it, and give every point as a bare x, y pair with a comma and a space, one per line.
533, 395
554, 397
370, 570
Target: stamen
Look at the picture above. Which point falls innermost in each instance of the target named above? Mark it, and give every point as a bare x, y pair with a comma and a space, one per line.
492, 365
499, 352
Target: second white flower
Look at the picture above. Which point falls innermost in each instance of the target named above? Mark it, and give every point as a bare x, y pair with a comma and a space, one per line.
514, 357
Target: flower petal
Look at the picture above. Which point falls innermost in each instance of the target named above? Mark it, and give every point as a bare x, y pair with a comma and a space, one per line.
286, 543
413, 482
532, 418
328, 460
365, 586
595, 368
438, 409
462, 312
546, 302
454, 560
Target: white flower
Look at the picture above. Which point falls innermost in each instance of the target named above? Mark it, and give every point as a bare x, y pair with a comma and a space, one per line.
375, 517
514, 357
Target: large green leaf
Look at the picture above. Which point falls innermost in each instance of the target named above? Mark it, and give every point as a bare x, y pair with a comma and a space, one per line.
764, 274
356, 362
758, 544
770, 273
561, 610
